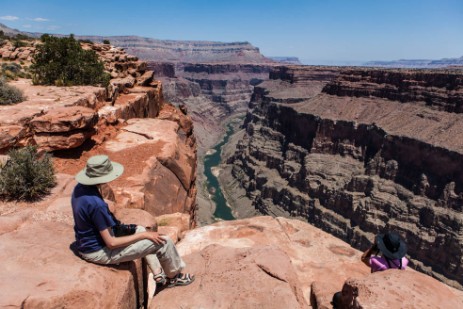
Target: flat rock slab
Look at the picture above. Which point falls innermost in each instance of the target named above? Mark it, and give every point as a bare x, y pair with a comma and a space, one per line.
399, 289
66, 112
242, 261
266, 262
65, 119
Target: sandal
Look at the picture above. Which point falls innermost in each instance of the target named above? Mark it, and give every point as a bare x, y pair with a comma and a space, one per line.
181, 280
161, 278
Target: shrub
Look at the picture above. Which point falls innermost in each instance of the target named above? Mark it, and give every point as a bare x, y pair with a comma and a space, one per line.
25, 176
85, 41
12, 70
63, 62
11, 66
106, 42
9, 94
19, 43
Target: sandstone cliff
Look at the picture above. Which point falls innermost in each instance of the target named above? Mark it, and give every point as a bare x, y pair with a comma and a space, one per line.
357, 152
129, 121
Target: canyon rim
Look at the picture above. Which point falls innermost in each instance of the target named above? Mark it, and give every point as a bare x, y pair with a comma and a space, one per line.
330, 155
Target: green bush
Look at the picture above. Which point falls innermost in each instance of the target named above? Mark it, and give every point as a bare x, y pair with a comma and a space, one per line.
25, 176
85, 41
19, 43
11, 66
63, 62
106, 42
9, 94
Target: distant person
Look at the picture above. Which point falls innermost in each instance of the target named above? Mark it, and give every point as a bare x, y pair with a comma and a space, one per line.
387, 252
96, 229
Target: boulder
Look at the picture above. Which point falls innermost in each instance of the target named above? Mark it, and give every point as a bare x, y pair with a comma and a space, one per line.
122, 83
67, 140
11, 135
179, 220
399, 289
166, 176
145, 79
65, 119
136, 216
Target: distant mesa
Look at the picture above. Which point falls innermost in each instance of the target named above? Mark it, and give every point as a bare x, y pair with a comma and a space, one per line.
155, 50
417, 63
287, 60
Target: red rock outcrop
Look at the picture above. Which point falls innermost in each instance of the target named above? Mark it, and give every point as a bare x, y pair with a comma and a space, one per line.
45, 273
8, 52
159, 155
355, 165
266, 262
397, 289
56, 118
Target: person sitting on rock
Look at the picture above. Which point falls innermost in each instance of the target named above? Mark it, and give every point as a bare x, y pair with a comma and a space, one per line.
95, 229
388, 251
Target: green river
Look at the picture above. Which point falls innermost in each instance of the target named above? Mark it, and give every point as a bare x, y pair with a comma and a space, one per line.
222, 210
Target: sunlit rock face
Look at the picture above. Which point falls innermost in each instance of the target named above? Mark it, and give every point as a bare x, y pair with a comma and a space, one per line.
266, 262
357, 152
132, 124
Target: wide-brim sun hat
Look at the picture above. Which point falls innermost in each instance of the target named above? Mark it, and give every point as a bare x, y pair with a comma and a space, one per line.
99, 169
391, 245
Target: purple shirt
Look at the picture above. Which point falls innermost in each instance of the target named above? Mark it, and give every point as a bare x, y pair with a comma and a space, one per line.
379, 263
91, 215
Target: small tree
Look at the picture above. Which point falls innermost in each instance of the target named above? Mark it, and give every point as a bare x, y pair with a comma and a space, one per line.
106, 42
25, 176
63, 62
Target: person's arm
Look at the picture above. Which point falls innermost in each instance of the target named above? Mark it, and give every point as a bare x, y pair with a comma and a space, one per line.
113, 242
367, 254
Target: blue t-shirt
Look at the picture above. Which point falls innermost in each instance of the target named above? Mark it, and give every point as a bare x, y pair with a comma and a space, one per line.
91, 215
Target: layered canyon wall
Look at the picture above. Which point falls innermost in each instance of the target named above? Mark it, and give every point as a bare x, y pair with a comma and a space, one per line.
213, 94
357, 152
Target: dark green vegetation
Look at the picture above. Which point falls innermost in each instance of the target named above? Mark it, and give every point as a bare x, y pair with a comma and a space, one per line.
13, 70
18, 40
9, 94
106, 42
63, 62
26, 175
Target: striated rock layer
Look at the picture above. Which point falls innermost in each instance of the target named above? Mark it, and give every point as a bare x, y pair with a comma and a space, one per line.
212, 94
358, 152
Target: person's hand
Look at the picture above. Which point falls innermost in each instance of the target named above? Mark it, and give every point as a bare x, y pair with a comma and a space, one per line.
155, 237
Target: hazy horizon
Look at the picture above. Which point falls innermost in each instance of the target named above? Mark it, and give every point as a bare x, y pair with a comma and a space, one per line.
328, 32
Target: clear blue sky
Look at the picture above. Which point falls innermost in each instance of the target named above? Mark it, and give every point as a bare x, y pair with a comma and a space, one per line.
319, 31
